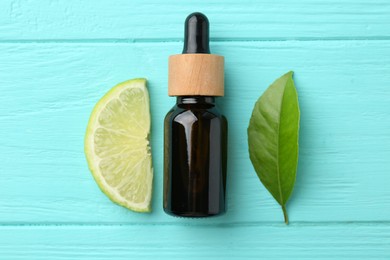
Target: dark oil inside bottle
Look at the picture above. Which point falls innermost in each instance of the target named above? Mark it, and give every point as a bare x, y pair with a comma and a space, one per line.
195, 146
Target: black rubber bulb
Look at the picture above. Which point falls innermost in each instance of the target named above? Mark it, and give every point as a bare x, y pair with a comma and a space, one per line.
196, 34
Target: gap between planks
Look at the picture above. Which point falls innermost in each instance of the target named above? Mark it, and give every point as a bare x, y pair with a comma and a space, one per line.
217, 225
161, 40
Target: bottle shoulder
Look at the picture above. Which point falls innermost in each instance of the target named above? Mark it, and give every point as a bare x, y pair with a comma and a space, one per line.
179, 113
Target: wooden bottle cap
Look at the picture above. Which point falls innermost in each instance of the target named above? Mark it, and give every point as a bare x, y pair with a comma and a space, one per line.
196, 75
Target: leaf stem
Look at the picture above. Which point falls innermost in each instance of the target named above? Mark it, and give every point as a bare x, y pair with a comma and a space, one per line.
285, 214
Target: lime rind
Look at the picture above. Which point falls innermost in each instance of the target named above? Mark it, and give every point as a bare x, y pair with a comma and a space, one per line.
94, 160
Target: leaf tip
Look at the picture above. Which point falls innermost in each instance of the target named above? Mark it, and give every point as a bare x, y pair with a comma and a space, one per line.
285, 214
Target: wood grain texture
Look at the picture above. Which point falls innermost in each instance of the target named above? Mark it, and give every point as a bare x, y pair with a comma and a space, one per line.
252, 241
148, 20
57, 58
196, 75
49, 91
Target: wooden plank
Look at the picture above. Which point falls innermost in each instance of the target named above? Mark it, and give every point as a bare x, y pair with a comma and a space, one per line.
149, 20
251, 241
48, 91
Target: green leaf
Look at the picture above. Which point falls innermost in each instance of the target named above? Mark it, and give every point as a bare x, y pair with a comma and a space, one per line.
273, 138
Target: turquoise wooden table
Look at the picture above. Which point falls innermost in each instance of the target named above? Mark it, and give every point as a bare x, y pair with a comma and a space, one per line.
57, 58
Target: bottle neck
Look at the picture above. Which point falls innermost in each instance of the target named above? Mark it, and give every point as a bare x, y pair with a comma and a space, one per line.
186, 100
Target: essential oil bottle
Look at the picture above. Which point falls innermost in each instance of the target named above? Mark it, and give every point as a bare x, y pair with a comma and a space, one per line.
195, 131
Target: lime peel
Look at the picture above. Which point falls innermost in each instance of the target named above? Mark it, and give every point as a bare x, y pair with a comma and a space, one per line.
117, 145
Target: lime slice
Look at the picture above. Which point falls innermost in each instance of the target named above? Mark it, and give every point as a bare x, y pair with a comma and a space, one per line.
117, 145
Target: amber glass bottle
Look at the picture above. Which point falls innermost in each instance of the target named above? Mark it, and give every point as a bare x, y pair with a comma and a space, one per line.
195, 143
